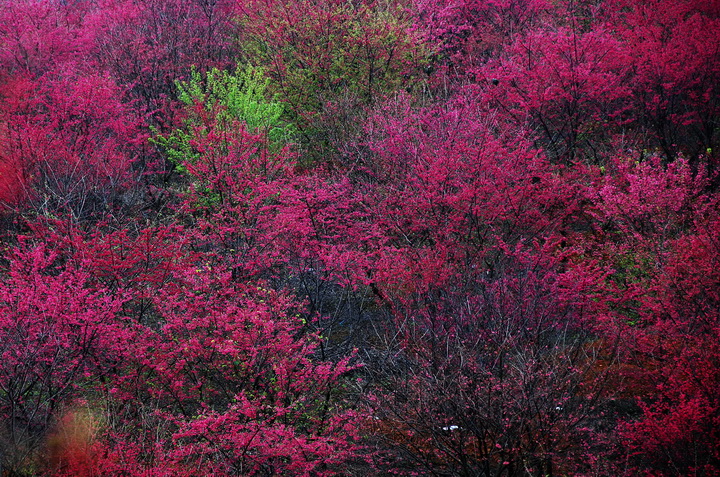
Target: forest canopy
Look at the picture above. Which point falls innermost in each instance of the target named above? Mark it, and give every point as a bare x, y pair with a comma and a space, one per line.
368, 237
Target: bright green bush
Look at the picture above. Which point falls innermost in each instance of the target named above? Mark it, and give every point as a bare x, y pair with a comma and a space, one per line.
220, 101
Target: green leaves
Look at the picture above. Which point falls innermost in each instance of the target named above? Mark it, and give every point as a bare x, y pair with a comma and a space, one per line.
238, 96
220, 102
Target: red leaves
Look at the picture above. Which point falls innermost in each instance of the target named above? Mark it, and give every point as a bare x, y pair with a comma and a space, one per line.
673, 50
678, 431
41, 36
238, 385
486, 198
57, 336
68, 142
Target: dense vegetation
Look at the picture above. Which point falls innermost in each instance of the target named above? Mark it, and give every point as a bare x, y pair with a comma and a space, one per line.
366, 237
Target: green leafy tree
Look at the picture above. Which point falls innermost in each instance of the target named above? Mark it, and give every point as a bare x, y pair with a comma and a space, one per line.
220, 102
